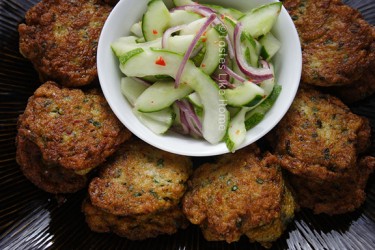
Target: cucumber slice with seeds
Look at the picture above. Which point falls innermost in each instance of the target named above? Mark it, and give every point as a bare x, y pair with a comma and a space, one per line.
136, 29
256, 115
161, 95
226, 11
214, 43
246, 94
236, 131
179, 17
158, 122
156, 20
259, 21
270, 46
132, 89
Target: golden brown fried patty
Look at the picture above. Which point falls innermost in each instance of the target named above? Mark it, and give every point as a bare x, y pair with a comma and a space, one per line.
337, 44
318, 142
50, 178
111, 2
73, 129
242, 193
137, 227
359, 90
60, 38
326, 192
140, 179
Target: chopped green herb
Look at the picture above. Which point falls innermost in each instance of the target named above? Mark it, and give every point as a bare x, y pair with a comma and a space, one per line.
153, 193
137, 194
327, 155
234, 188
160, 163
259, 181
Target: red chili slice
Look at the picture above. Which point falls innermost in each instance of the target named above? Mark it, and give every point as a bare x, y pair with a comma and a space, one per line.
160, 61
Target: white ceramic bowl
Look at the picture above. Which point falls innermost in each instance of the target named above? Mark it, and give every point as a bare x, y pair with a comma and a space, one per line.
288, 63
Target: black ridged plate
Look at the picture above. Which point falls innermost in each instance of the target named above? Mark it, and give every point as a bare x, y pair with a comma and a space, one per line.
33, 219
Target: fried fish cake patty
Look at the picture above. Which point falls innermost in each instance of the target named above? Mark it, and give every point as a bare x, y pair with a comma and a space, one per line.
73, 129
359, 90
140, 179
318, 142
60, 38
241, 194
137, 227
330, 193
321, 131
50, 178
337, 43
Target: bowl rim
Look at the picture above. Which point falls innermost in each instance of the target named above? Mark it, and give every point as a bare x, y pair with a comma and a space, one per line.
179, 144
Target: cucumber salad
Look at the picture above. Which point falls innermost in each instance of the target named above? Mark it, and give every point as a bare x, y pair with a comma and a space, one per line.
200, 70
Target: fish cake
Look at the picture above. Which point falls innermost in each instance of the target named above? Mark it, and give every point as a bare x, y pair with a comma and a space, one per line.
338, 45
50, 178
359, 90
330, 193
318, 142
73, 129
61, 37
140, 179
136, 227
241, 194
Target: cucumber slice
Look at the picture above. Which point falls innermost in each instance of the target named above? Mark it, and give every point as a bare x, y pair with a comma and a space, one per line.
237, 70
195, 100
179, 17
132, 89
247, 94
256, 115
193, 27
161, 95
270, 46
236, 131
179, 44
183, 2
123, 45
142, 62
230, 24
158, 122
269, 84
156, 78
156, 20
259, 21
214, 44
136, 29
236, 14
253, 49
140, 40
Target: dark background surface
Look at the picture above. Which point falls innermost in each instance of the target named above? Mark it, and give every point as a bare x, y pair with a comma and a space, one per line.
33, 219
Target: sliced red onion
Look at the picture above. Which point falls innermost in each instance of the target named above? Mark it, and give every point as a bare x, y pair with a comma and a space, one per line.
168, 33
191, 47
184, 123
234, 74
194, 123
256, 74
189, 120
265, 64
